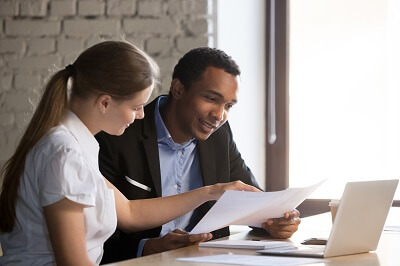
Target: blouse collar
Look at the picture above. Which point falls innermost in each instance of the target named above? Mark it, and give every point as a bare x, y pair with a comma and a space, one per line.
82, 134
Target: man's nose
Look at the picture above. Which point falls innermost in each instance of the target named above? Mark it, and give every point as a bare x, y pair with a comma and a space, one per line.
218, 113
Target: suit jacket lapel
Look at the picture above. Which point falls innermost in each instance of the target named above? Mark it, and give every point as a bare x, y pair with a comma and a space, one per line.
207, 162
150, 145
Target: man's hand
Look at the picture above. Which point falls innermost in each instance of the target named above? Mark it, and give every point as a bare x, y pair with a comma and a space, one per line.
283, 227
175, 239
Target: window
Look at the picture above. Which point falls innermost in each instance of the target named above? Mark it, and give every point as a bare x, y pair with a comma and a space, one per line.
344, 87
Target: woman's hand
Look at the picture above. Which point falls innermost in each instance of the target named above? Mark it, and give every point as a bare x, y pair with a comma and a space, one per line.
216, 191
139, 215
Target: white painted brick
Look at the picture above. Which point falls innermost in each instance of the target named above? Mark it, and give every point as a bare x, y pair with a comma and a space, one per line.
187, 6
90, 8
16, 46
69, 45
149, 8
200, 7
121, 7
153, 26
41, 46
35, 62
174, 7
70, 58
161, 46
165, 85
3, 139
167, 65
22, 119
154, 94
13, 136
92, 41
32, 28
195, 7
63, 8
137, 39
27, 81
6, 82
198, 26
6, 152
8, 8
34, 8
186, 44
86, 27
6, 119
19, 100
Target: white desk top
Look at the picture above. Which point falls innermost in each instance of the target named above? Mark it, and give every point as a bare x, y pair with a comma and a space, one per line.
387, 254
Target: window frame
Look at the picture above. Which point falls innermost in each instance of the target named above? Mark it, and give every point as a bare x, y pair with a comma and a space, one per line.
277, 153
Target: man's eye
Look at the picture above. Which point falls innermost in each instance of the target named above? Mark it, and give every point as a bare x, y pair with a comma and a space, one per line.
229, 106
212, 99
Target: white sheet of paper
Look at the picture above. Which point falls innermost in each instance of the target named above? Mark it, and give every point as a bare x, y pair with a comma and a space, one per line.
247, 244
251, 208
251, 260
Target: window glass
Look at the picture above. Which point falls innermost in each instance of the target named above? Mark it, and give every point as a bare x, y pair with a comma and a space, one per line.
344, 85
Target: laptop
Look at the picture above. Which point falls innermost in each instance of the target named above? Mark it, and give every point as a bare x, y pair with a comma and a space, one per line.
358, 225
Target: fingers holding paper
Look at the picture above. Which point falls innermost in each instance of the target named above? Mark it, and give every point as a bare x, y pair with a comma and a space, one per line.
173, 240
283, 227
217, 190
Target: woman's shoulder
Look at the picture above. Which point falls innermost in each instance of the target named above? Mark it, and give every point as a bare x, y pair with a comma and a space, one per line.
58, 138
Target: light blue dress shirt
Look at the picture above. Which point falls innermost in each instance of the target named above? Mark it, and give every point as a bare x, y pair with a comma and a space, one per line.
180, 171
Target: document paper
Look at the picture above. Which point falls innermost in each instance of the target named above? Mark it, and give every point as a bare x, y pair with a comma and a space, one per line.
252, 260
247, 244
251, 208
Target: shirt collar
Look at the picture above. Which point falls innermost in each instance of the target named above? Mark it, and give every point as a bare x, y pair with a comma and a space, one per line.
82, 134
163, 134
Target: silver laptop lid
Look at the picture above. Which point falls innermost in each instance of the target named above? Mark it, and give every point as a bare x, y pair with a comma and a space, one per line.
360, 217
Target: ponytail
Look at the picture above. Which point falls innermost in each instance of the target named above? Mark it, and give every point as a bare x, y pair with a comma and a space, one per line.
49, 113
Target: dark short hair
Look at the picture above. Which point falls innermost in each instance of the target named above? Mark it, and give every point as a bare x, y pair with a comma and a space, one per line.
192, 65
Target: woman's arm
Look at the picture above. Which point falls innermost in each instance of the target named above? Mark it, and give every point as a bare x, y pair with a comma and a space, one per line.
66, 226
138, 215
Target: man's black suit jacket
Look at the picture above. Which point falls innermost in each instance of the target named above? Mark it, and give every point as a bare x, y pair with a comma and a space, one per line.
135, 155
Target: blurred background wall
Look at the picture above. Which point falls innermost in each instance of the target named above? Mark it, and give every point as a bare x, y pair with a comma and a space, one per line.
38, 37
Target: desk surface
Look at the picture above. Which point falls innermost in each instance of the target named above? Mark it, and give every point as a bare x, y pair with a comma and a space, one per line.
388, 252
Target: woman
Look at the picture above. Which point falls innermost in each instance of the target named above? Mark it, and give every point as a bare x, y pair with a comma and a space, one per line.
55, 204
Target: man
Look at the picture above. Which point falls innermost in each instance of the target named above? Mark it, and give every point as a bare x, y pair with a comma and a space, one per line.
184, 142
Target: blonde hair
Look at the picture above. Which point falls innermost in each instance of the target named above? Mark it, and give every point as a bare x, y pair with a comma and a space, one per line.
116, 68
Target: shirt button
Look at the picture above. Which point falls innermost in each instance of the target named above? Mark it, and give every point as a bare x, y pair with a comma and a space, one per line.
179, 152
175, 186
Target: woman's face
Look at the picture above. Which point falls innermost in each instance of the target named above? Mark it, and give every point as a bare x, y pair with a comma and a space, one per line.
120, 114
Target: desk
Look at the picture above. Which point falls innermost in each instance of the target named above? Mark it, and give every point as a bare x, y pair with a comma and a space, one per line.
387, 254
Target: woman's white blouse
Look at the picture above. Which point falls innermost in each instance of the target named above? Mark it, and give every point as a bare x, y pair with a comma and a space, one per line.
63, 164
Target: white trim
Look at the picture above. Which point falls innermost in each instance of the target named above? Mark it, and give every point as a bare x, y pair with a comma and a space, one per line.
137, 184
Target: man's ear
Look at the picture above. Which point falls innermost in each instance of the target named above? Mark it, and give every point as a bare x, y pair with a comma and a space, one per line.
103, 103
177, 88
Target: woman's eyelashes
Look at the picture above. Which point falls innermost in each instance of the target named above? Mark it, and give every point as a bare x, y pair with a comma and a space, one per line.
137, 108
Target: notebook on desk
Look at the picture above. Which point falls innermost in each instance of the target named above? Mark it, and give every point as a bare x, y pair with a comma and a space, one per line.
358, 225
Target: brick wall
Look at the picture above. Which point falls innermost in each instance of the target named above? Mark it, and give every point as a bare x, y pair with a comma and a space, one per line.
39, 36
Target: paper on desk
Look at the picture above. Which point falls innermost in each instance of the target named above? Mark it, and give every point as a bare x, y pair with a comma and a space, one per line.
247, 244
251, 208
252, 260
